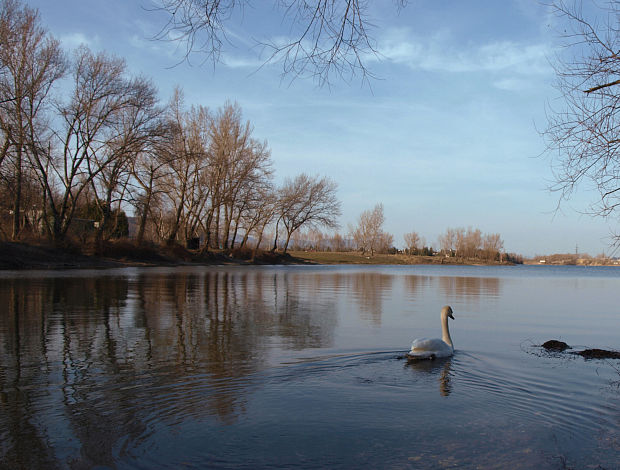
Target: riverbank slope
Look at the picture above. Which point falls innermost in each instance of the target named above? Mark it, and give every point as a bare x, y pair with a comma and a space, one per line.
17, 256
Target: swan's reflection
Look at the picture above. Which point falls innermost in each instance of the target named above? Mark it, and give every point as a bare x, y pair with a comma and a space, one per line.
439, 367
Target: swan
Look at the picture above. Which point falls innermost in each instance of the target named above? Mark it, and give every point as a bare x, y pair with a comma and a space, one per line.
425, 348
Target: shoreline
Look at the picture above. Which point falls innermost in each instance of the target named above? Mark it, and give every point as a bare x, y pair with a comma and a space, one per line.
20, 256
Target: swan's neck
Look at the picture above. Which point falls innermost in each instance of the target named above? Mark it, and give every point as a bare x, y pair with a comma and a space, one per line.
445, 332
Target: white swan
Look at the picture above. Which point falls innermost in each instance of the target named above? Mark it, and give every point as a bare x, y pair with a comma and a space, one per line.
425, 348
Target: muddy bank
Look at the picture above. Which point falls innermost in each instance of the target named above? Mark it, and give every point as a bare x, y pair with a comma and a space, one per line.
18, 256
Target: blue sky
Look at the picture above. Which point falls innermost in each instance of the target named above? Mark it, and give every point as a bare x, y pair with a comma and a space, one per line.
446, 136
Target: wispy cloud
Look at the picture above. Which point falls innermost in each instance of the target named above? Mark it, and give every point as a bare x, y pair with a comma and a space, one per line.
169, 49
438, 53
239, 62
513, 84
74, 40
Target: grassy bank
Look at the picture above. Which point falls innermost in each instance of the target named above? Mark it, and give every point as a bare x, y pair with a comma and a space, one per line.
42, 255
354, 257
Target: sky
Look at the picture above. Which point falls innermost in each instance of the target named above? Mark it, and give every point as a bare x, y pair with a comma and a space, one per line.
446, 135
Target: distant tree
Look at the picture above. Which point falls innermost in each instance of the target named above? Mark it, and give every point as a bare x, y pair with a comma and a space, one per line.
413, 242
385, 243
583, 132
492, 246
338, 242
447, 242
514, 258
470, 243
427, 251
368, 234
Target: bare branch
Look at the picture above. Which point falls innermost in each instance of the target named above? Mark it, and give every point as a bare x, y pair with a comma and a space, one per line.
329, 37
583, 135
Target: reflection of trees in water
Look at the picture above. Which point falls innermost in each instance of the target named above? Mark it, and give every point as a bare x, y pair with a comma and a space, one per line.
455, 288
44, 344
469, 288
302, 319
417, 284
104, 359
368, 290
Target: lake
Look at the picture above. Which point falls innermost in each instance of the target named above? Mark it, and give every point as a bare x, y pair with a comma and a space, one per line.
302, 367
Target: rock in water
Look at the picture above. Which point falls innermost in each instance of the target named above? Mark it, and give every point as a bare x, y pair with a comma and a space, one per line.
555, 345
599, 354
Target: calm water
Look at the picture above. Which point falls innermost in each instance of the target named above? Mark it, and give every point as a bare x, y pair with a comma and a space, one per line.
280, 367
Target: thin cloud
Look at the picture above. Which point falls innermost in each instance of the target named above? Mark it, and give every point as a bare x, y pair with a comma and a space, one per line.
513, 84
437, 54
238, 62
75, 40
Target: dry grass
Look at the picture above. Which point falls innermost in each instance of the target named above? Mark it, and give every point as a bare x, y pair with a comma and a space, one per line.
354, 257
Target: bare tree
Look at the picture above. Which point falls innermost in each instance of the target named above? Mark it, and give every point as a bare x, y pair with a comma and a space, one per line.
131, 134
413, 242
148, 172
31, 61
328, 36
338, 243
385, 242
447, 242
307, 201
368, 235
239, 166
583, 135
259, 212
492, 246
184, 170
79, 149
247, 162
471, 243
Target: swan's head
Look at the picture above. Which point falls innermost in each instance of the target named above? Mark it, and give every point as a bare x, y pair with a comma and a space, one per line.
447, 311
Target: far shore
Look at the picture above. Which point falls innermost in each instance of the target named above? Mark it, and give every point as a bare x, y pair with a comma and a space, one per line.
24, 256
41, 255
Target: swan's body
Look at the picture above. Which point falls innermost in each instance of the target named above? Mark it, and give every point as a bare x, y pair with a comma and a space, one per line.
431, 348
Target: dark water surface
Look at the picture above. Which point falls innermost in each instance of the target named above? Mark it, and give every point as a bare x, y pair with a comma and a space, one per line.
280, 367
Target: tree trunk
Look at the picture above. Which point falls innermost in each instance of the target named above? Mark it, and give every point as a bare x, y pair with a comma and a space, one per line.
227, 223
216, 234
143, 219
175, 228
260, 239
288, 239
235, 231
17, 197
275, 239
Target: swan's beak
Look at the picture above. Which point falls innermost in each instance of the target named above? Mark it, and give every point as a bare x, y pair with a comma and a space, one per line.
450, 315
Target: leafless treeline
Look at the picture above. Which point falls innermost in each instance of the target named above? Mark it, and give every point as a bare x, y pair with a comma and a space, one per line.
471, 243
81, 135
368, 235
